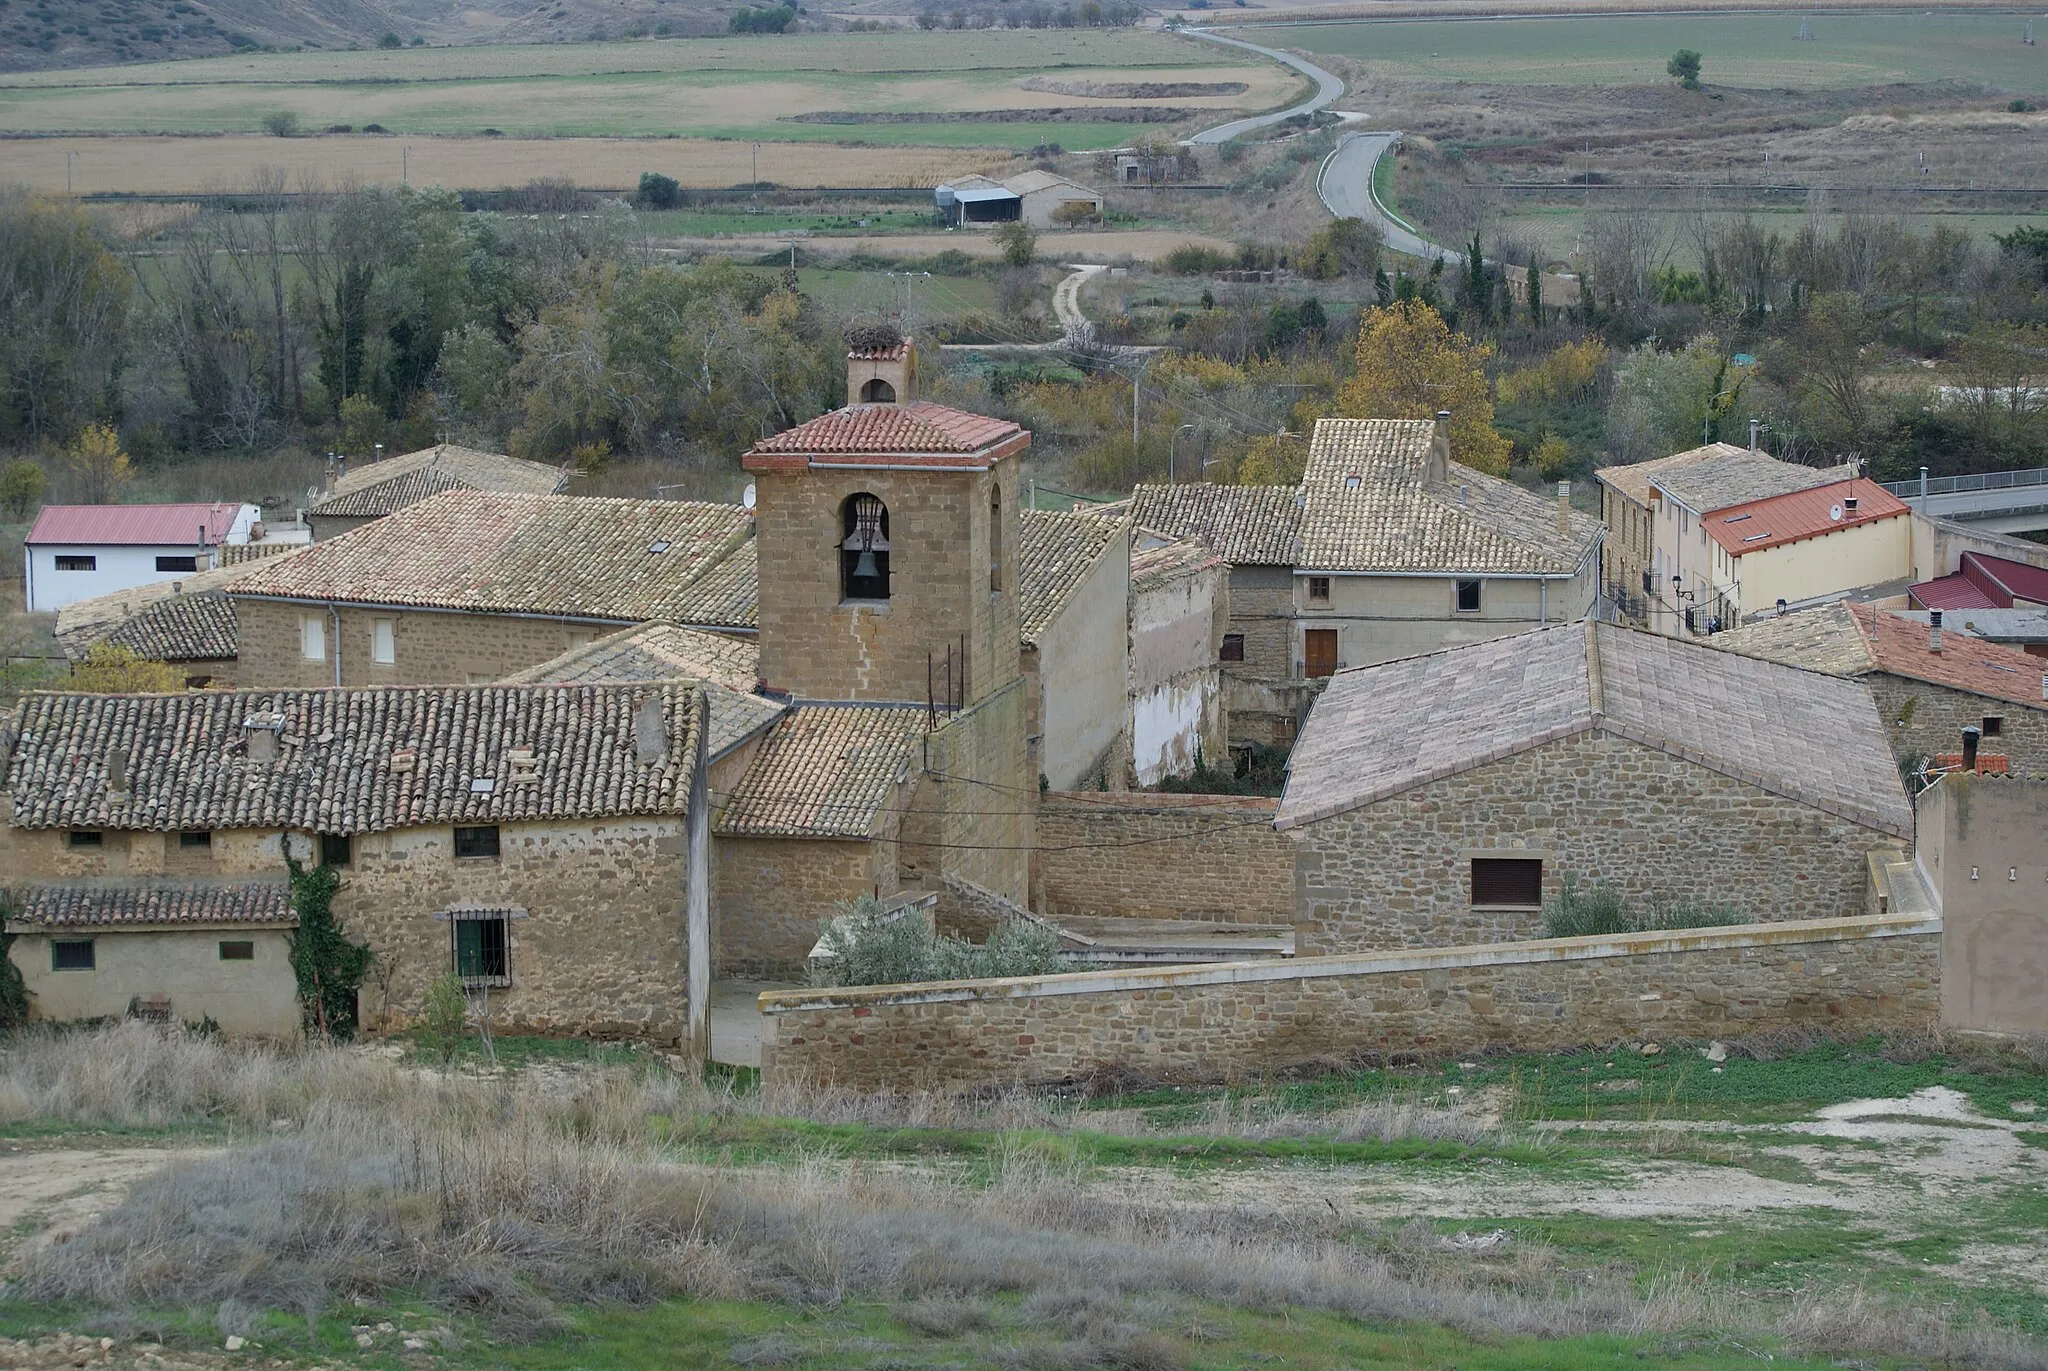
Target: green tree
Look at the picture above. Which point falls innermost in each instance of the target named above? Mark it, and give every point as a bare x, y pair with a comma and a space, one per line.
1018, 243
98, 463
443, 1015
1536, 294
1685, 65
1346, 247
658, 191
1832, 337
1410, 365
390, 40
281, 123
21, 486
362, 425
328, 967
66, 313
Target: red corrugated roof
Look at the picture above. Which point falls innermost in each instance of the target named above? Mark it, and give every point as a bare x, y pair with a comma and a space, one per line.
920, 434
1782, 519
2018, 580
1954, 592
148, 525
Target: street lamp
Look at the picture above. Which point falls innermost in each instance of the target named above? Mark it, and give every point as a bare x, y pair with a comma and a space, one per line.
1169, 450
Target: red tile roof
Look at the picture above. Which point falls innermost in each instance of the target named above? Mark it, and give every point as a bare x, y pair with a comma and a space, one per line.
143, 525
1899, 646
893, 353
1780, 519
1986, 765
917, 434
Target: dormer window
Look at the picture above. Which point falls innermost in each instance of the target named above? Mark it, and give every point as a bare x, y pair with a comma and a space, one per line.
864, 551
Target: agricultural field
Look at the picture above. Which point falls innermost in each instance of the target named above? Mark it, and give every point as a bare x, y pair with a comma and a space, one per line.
1685, 1207
999, 89
1751, 50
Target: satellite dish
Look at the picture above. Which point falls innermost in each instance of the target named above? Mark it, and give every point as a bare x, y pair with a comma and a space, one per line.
1835, 513
747, 496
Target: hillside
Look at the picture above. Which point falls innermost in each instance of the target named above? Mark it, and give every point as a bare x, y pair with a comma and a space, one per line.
43, 34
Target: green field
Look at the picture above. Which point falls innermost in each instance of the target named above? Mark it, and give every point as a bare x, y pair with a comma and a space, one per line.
1755, 50
734, 89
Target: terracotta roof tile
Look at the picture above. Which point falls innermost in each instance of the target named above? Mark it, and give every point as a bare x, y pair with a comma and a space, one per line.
1245, 525
1154, 568
729, 669
1633, 479
118, 903
1854, 640
85, 622
348, 761
1757, 525
825, 771
1368, 507
1793, 733
919, 433
182, 628
1824, 639
488, 551
375, 489
1734, 478
1056, 552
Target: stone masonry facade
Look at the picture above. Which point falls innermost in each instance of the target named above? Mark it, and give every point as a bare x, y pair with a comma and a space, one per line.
1266, 702
430, 648
1210, 857
1924, 720
1241, 1020
774, 894
1598, 807
599, 950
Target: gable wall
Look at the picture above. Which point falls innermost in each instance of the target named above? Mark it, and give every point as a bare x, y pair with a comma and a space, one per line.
1398, 873
431, 648
1923, 720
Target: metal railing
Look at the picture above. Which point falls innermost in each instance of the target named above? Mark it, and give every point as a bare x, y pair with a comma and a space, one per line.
1957, 485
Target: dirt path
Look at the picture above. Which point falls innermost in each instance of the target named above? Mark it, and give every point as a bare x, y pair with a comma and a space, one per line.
47, 1195
1143, 245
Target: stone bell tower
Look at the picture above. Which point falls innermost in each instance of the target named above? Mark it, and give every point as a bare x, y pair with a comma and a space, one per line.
887, 534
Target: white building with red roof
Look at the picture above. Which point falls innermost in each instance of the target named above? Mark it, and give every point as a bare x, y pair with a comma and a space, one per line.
75, 552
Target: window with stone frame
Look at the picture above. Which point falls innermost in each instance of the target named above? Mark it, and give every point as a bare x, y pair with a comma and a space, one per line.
1319, 590
1233, 648
1507, 882
1468, 597
864, 549
480, 842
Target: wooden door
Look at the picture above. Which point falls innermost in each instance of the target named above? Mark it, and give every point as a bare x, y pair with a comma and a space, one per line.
1319, 657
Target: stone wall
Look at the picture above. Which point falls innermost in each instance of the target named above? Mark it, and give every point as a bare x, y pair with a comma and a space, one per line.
1595, 806
1235, 1020
1209, 857
819, 647
1259, 689
429, 648
1923, 720
774, 893
965, 910
973, 811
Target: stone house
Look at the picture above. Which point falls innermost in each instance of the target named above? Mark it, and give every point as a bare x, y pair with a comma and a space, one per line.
1440, 800
471, 585
1404, 551
1074, 572
1626, 500
1256, 531
1929, 683
1684, 595
528, 838
375, 489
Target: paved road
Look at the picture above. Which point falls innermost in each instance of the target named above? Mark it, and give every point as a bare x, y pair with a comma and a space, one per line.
1328, 88
1345, 184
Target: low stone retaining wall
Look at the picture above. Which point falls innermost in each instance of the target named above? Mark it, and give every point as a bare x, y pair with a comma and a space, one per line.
1147, 856
1230, 1020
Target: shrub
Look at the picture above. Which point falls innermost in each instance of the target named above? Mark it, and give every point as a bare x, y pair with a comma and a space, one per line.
327, 966
658, 191
375, 128
390, 40
21, 486
1018, 243
767, 19
1602, 911
1192, 259
443, 1015
870, 944
281, 123
13, 994
1685, 65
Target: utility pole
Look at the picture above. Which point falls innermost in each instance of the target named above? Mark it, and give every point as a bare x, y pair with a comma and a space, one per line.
1169, 450
757, 175
69, 158
405, 163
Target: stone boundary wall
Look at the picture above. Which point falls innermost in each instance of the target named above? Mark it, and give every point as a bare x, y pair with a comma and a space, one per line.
1232, 1020
1145, 856
969, 911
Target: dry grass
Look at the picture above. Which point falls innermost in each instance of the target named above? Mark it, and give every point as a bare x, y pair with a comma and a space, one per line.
511, 1198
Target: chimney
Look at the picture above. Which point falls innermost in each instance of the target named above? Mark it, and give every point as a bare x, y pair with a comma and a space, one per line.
117, 772
881, 366
1439, 468
1849, 504
1971, 733
259, 736
1934, 630
650, 732
1564, 509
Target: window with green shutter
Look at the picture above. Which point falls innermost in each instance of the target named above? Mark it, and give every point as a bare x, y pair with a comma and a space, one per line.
480, 950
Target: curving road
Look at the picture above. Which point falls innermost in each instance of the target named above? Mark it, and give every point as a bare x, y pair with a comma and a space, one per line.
1345, 184
1328, 88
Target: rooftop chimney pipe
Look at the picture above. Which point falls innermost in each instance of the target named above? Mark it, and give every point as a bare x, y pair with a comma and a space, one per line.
1564, 509
1971, 733
117, 771
1440, 449
1934, 630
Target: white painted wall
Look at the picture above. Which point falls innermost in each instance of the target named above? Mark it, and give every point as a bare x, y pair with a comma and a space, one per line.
116, 566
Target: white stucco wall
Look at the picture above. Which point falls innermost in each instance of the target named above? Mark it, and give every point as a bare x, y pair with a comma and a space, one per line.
1081, 669
117, 566
1381, 618
1177, 705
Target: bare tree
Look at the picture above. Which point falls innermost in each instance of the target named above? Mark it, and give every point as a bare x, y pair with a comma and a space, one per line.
1625, 247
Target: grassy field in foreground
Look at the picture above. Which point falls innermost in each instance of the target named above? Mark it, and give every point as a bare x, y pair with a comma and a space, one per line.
1739, 49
